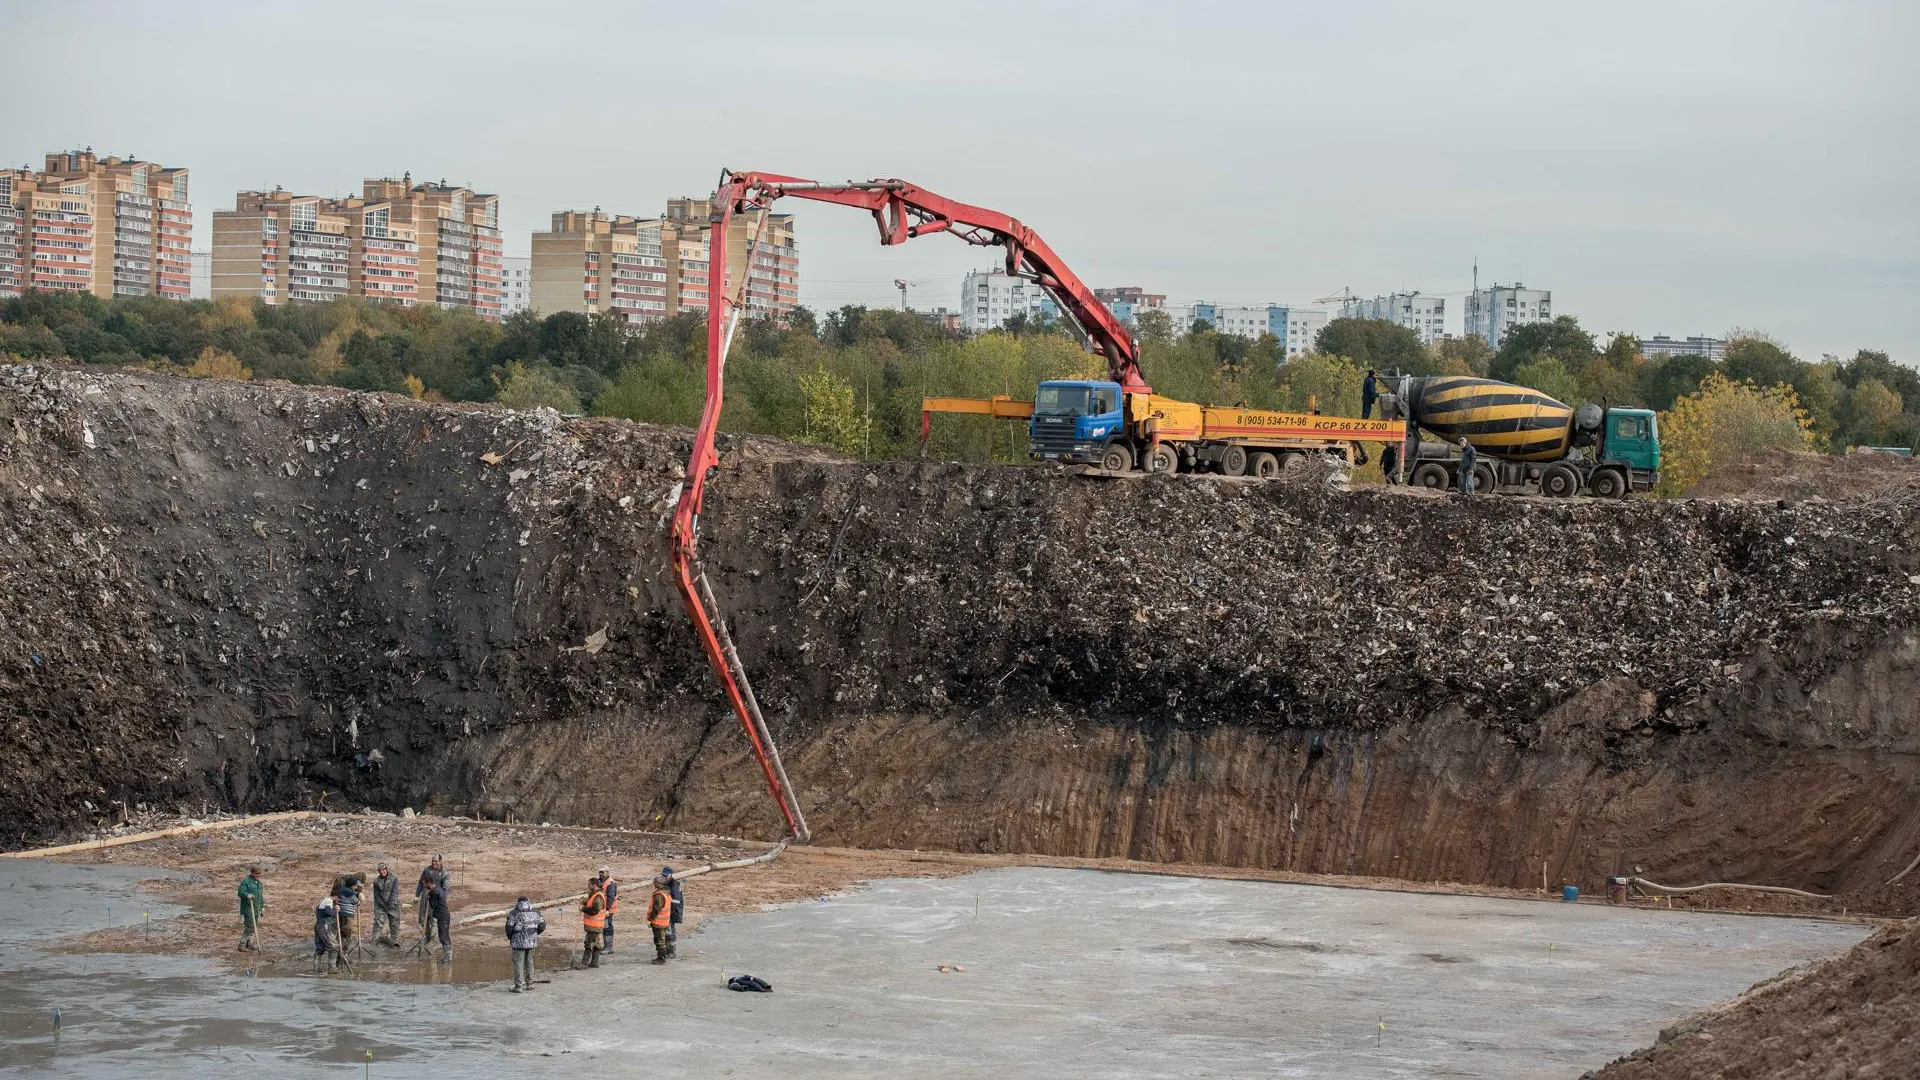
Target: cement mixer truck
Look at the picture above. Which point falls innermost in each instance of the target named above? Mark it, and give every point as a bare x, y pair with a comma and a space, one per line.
1526, 442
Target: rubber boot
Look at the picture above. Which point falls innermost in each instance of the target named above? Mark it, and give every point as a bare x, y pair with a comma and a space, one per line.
446, 954
595, 961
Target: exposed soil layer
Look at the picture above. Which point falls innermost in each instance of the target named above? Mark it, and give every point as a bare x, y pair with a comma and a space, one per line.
1786, 474
261, 597
1854, 1017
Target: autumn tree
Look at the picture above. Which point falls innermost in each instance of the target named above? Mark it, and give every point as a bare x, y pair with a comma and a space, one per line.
1725, 421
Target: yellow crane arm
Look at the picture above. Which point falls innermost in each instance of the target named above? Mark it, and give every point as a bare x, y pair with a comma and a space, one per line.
999, 406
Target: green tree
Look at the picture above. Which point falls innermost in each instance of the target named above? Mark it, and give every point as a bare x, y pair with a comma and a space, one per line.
1374, 343
1153, 327
833, 420
1753, 357
1561, 339
1469, 355
524, 387
1323, 381
1872, 412
1549, 376
1665, 379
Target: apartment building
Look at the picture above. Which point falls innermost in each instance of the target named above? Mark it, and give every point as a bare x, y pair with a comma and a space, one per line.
110, 226
1424, 315
595, 263
516, 284
1128, 301
1251, 320
1714, 349
1294, 327
988, 298
397, 242
773, 278
1494, 311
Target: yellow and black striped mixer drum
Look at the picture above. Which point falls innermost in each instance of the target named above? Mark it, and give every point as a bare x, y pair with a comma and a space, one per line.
1500, 419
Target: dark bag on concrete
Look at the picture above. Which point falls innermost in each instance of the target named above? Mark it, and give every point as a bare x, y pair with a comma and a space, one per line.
750, 982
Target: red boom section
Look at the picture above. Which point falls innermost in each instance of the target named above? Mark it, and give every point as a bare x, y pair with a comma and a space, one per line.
902, 211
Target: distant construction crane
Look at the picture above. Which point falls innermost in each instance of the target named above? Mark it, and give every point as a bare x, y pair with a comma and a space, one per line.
1345, 295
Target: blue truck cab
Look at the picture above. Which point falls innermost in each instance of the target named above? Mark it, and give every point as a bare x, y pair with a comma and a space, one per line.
1074, 419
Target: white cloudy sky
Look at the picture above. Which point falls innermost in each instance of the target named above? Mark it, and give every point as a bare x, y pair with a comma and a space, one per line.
1676, 167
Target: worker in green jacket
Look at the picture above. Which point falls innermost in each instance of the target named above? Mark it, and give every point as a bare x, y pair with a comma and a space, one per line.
253, 904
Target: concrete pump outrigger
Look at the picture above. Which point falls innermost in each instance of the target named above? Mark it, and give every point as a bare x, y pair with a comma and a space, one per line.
902, 211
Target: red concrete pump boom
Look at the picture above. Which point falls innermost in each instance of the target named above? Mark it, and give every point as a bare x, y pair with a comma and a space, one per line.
902, 211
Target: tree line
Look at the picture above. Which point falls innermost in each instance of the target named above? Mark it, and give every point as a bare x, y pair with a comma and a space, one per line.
853, 379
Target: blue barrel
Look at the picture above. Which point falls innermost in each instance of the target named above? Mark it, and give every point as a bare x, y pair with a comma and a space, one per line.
1570, 893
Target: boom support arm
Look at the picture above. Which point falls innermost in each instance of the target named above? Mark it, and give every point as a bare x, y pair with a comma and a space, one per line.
902, 211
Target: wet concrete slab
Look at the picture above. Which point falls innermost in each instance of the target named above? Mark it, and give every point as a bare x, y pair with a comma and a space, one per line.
1067, 973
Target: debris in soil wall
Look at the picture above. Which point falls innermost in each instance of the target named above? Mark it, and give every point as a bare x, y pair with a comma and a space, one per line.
265, 596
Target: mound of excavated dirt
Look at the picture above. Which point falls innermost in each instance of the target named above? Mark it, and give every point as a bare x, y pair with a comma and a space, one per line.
1788, 474
1854, 1016
254, 595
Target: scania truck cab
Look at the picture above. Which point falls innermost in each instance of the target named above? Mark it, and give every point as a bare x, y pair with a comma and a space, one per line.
1075, 419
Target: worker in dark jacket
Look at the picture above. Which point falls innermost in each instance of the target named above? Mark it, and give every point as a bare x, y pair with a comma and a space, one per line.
525, 924
386, 905
435, 873
346, 904
673, 924
440, 917
326, 936
253, 904
610, 889
1369, 393
1468, 459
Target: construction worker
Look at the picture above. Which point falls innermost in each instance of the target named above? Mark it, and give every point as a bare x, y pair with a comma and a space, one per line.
593, 919
346, 904
440, 916
673, 926
1369, 393
326, 936
660, 915
525, 924
435, 873
253, 904
1468, 459
611, 890
386, 906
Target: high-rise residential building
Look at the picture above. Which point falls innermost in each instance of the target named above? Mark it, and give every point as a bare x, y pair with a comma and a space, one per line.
516, 284
773, 279
1294, 327
1424, 315
646, 268
1661, 345
1128, 301
1303, 330
988, 298
1494, 311
1251, 320
398, 242
110, 226
200, 279
593, 263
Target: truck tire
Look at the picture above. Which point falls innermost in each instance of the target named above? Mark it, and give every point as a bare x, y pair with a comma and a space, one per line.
1117, 458
1292, 463
1484, 480
1609, 484
1430, 475
1234, 461
1265, 465
1560, 482
1164, 459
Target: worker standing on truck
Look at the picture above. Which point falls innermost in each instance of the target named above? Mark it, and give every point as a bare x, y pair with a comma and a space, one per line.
1369, 393
1468, 459
253, 904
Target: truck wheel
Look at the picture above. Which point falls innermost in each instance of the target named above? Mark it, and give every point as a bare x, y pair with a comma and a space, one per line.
1234, 461
1165, 459
1560, 482
1265, 465
1292, 463
1431, 476
1117, 458
1609, 484
1484, 482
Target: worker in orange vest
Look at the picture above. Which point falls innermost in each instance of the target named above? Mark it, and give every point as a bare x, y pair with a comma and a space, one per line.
610, 888
660, 916
593, 916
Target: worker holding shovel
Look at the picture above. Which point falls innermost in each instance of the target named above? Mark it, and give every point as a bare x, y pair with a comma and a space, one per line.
253, 904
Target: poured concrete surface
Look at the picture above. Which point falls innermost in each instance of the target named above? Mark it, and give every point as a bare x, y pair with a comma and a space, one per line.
1067, 973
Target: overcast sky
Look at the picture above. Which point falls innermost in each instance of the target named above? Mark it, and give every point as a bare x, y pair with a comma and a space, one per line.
1670, 167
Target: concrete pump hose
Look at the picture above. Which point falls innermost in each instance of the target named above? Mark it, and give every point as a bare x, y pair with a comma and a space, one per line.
563, 901
1677, 889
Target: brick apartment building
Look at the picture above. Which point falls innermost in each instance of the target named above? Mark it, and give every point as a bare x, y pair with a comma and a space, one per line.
644, 268
110, 226
398, 241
